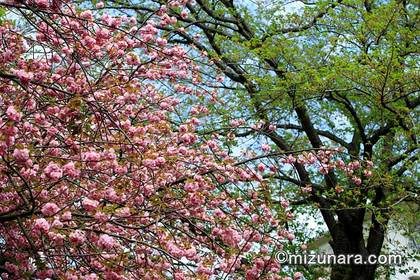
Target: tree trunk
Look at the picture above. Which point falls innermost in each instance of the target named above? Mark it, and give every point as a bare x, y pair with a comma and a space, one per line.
348, 240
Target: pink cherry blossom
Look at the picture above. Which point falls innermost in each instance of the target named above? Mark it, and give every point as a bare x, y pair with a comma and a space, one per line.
297, 275
42, 3
77, 237
21, 155
90, 204
53, 171
49, 209
91, 276
284, 203
66, 216
13, 114
42, 225
356, 180
367, 173
106, 242
70, 170
265, 147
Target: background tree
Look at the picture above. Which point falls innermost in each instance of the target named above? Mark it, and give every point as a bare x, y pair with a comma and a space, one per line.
341, 73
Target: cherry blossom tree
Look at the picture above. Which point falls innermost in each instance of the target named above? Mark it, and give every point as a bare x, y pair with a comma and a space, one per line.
97, 182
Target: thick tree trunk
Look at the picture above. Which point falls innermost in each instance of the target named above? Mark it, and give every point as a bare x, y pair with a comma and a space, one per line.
348, 240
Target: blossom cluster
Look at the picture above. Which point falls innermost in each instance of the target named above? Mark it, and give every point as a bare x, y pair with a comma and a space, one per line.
97, 182
326, 160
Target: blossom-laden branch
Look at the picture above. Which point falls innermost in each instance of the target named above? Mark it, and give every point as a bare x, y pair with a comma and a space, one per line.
86, 142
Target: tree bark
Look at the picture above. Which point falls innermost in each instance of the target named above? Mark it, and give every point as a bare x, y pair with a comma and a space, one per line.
348, 240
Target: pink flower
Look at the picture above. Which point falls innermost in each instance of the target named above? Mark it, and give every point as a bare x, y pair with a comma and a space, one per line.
191, 253
235, 123
212, 144
42, 225
110, 194
106, 242
101, 217
77, 237
132, 20
12, 114
50, 209
259, 263
298, 275
91, 276
356, 180
255, 218
21, 155
219, 213
161, 42
191, 187
57, 224
231, 237
204, 270
24, 77
70, 170
100, 5
290, 159
86, 15
284, 203
265, 147
92, 157
123, 212
354, 165
147, 37
272, 127
194, 111
340, 164
184, 14
71, 276
53, 171
183, 128
56, 238
52, 131
42, 3
45, 274
367, 173
261, 167
150, 163
160, 161
66, 216
89, 204
11, 267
